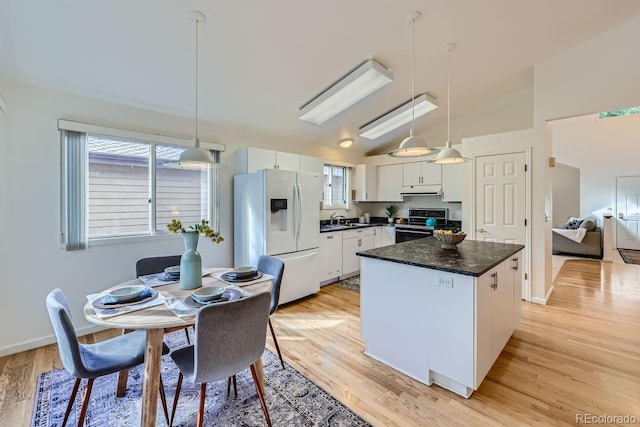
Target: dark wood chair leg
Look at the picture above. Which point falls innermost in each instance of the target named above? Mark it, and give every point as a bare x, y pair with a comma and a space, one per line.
175, 399
275, 340
235, 386
85, 402
163, 398
72, 399
263, 403
203, 396
186, 332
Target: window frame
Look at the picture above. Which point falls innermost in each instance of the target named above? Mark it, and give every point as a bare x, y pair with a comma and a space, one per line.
345, 191
213, 208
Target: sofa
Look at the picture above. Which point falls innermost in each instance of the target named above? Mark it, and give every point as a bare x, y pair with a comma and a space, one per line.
591, 244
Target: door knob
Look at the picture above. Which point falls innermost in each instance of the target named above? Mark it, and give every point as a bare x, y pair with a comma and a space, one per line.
620, 215
481, 230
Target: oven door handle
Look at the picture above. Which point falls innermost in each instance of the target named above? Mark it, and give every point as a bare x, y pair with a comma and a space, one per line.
413, 232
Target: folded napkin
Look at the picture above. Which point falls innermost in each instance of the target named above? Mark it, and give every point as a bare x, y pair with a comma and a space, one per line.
108, 299
224, 297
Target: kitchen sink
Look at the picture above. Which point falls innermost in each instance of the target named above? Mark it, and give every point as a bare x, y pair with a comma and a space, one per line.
337, 227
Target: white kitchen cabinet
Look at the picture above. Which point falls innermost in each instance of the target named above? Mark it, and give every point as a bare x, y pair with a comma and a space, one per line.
390, 183
421, 173
316, 165
365, 183
454, 325
330, 254
355, 241
252, 159
452, 181
384, 235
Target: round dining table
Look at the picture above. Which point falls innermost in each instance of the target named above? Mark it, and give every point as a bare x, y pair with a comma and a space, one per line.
158, 320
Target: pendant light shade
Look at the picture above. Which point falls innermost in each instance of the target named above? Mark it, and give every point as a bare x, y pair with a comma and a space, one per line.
449, 155
195, 157
412, 146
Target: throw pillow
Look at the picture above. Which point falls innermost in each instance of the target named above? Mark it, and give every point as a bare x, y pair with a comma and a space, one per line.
589, 223
573, 224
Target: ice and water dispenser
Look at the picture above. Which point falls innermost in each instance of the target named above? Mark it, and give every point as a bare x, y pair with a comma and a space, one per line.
279, 214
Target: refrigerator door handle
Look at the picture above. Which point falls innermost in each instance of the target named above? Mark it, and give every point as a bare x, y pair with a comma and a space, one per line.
298, 212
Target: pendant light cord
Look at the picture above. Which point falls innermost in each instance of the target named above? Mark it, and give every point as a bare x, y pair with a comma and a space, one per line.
448, 145
197, 140
413, 69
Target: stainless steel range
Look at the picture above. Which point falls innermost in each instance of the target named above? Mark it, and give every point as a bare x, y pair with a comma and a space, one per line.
417, 227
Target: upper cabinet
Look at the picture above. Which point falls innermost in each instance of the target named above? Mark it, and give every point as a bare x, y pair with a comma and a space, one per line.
452, 181
421, 173
251, 159
390, 183
365, 183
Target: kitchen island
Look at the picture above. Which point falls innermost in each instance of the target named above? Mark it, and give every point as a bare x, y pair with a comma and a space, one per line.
440, 316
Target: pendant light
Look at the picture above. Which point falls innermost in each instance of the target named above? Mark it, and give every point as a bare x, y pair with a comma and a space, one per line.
449, 155
195, 157
412, 146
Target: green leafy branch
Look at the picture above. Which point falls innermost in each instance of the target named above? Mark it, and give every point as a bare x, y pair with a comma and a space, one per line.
203, 228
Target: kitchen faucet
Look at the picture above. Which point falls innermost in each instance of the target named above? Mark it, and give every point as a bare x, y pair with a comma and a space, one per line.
334, 216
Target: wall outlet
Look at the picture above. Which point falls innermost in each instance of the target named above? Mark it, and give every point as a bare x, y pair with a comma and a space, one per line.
445, 281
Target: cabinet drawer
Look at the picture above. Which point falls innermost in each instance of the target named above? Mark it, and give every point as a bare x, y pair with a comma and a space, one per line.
358, 232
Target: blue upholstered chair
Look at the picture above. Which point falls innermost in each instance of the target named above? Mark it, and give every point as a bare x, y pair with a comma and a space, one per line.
229, 337
91, 361
275, 267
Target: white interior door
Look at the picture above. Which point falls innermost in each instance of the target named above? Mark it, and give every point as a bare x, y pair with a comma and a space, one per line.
501, 198
628, 212
501, 203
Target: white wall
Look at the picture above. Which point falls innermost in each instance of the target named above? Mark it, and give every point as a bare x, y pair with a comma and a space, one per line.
602, 149
32, 261
565, 187
598, 75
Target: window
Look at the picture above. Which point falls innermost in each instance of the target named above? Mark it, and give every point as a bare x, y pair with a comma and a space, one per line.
336, 184
120, 187
623, 112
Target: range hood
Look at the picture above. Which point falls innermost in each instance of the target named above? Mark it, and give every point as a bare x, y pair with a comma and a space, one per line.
422, 190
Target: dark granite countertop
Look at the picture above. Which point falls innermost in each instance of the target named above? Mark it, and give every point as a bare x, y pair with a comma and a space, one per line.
472, 258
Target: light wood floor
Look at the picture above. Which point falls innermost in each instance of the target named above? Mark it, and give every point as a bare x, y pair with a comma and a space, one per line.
578, 354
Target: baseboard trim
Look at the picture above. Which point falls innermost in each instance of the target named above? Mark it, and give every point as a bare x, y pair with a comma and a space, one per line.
545, 300
42, 341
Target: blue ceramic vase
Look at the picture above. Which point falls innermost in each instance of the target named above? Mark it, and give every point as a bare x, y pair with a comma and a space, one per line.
190, 263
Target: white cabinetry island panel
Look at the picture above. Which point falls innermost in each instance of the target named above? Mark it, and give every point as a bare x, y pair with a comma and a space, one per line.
432, 323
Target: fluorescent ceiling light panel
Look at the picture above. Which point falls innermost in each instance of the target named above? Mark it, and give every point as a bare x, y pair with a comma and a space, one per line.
358, 84
398, 117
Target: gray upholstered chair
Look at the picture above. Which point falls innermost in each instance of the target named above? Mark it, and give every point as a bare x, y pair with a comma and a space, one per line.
91, 361
275, 267
153, 265
229, 337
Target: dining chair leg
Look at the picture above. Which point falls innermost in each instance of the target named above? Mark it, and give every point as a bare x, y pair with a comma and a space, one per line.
121, 386
72, 399
235, 386
263, 403
203, 396
175, 398
85, 402
163, 398
275, 340
186, 332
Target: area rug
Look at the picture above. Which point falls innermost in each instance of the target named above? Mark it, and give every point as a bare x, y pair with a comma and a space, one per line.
352, 283
630, 256
292, 399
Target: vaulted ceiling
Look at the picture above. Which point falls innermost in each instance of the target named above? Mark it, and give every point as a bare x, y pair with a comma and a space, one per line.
261, 60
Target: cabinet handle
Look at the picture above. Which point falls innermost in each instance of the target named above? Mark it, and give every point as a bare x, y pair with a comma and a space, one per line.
329, 237
516, 265
494, 285
359, 242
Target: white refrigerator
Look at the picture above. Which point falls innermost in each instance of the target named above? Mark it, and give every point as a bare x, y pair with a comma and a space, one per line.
278, 213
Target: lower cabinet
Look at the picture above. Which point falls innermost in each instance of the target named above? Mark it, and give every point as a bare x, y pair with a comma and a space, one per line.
384, 236
354, 241
330, 251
